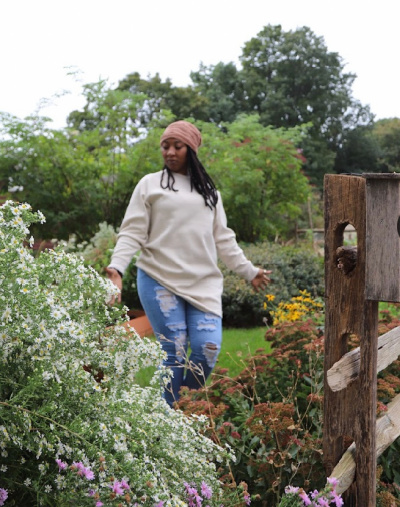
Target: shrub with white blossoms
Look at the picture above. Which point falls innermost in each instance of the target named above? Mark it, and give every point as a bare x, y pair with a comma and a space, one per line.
75, 428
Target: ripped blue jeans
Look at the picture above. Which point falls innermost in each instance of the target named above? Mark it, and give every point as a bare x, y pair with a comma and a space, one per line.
177, 324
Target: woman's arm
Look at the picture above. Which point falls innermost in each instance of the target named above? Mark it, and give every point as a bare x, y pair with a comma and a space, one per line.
232, 255
134, 229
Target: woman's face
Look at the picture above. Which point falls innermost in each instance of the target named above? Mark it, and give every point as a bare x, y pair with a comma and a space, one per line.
174, 153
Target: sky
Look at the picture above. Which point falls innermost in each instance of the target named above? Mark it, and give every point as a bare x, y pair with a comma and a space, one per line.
50, 48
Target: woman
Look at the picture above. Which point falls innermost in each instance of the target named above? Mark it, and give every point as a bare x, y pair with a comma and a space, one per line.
177, 221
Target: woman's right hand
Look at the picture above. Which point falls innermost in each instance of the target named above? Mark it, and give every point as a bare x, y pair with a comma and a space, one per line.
115, 277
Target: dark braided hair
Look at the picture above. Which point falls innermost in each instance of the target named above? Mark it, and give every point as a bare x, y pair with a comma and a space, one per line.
199, 179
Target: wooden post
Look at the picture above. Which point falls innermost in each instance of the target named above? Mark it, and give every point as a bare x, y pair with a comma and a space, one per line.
350, 414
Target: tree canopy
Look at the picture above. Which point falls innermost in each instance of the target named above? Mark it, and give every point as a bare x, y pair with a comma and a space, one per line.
289, 78
271, 127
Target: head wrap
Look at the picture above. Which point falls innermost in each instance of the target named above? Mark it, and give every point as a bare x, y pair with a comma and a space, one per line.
185, 132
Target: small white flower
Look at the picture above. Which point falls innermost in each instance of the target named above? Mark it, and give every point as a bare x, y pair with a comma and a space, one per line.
6, 314
27, 482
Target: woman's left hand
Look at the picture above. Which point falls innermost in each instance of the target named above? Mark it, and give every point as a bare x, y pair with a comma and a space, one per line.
261, 280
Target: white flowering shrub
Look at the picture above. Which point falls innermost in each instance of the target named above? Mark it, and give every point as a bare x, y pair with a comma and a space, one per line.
75, 429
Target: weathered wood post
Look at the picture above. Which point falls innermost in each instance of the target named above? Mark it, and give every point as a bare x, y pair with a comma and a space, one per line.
371, 203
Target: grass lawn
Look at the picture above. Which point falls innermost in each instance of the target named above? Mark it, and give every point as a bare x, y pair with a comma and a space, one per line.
237, 344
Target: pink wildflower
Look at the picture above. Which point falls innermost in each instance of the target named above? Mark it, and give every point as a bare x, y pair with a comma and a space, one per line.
247, 497
124, 484
117, 488
333, 481
78, 465
303, 495
291, 489
194, 499
338, 499
3, 496
61, 465
99, 504
206, 491
88, 474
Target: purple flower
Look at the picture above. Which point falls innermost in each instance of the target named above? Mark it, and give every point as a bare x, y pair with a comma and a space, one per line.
117, 488
338, 499
193, 498
159, 504
247, 497
333, 481
125, 485
206, 491
99, 504
323, 502
303, 495
291, 489
61, 465
88, 474
3, 496
78, 465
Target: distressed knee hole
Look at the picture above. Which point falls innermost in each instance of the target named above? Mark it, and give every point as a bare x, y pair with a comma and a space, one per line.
211, 351
176, 326
208, 324
180, 346
166, 300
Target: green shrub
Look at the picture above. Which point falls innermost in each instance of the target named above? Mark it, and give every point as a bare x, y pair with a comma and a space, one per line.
271, 415
75, 428
293, 269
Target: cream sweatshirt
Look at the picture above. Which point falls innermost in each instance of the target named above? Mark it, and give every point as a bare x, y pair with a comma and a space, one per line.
180, 240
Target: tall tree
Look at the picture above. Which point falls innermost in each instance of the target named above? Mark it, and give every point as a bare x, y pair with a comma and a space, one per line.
387, 134
182, 102
222, 86
259, 172
359, 152
80, 176
291, 78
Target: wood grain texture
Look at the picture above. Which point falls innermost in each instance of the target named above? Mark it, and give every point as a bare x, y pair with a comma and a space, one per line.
350, 413
383, 240
347, 368
387, 431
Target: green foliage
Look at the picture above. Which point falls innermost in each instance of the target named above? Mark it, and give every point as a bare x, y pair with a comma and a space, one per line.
359, 152
81, 176
84, 176
387, 135
222, 86
271, 415
292, 79
183, 102
293, 269
258, 171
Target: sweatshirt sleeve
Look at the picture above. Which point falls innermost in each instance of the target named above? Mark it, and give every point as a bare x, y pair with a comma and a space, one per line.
227, 248
134, 229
